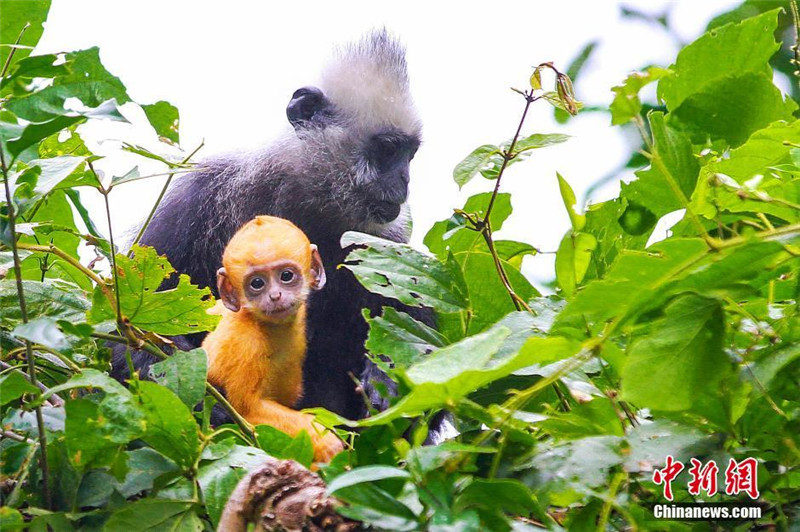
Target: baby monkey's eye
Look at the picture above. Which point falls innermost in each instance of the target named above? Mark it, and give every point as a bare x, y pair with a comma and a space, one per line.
287, 276
257, 283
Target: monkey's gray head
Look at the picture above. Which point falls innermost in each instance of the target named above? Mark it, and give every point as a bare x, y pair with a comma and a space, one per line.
363, 109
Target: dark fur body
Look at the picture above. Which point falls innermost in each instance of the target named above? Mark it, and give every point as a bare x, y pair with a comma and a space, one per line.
345, 167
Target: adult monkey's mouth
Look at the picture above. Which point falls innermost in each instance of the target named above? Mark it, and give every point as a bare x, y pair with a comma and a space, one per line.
385, 211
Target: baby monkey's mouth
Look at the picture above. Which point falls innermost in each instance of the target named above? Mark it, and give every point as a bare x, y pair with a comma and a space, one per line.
280, 311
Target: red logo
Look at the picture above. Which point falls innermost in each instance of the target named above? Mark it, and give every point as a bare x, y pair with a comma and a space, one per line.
667, 475
703, 478
740, 477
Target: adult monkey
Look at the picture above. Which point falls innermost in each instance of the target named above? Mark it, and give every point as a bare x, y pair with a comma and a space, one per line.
345, 167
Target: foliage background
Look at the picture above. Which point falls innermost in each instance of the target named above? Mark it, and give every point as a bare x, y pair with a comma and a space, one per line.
564, 402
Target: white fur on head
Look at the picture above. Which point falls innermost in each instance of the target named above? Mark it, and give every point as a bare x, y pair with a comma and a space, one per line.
368, 80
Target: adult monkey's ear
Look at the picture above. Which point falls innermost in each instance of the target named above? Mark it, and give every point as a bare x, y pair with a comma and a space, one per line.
308, 107
317, 269
227, 292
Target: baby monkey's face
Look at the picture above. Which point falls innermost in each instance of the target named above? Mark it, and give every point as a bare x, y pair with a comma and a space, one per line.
274, 292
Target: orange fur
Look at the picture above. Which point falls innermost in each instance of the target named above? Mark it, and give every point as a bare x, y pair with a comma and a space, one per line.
260, 364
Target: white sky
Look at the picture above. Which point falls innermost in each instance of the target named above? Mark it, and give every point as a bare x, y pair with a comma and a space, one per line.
230, 67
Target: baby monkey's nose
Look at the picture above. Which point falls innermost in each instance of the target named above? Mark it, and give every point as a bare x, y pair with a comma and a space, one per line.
275, 296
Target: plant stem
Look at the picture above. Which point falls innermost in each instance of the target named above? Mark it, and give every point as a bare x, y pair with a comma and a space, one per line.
161, 196
66, 257
612, 492
14, 49
24, 314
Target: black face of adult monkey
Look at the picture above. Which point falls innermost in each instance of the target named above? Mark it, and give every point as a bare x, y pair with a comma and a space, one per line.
344, 167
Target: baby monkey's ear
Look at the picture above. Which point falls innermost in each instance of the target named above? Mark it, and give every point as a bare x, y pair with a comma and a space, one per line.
317, 269
227, 292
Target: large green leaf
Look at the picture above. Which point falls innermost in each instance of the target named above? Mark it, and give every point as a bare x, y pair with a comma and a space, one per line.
401, 337
764, 150
489, 299
95, 432
184, 373
399, 271
674, 163
16, 15
179, 310
735, 48
86, 79
681, 353
54, 298
171, 429
155, 514
642, 280
480, 159
449, 374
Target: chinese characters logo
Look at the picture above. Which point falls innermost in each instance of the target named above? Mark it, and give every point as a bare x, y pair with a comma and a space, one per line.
740, 477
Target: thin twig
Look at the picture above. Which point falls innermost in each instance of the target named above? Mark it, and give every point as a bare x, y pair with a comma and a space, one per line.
161, 196
24, 314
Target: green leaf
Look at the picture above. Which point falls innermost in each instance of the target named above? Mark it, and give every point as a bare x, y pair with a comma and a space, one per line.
13, 385
449, 374
95, 432
626, 104
513, 252
673, 161
539, 140
642, 280
93, 380
218, 478
508, 495
171, 429
155, 514
145, 466
577, 219
164, 118
179, 310
473, 163
53, 171
300, 449
184, 373
16, 15
87, 80
401, 337
453, 235
651, 442
561, 474
732, 109
42, 331
762, 151
489, 299
682, 353
399, 271
10, 519
733, 48
19, 138
365, 474
572, 260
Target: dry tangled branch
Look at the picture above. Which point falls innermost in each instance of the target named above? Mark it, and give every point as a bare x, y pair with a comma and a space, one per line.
282, 495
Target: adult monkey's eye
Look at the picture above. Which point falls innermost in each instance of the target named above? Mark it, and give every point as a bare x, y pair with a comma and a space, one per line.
257, 283
287, 276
